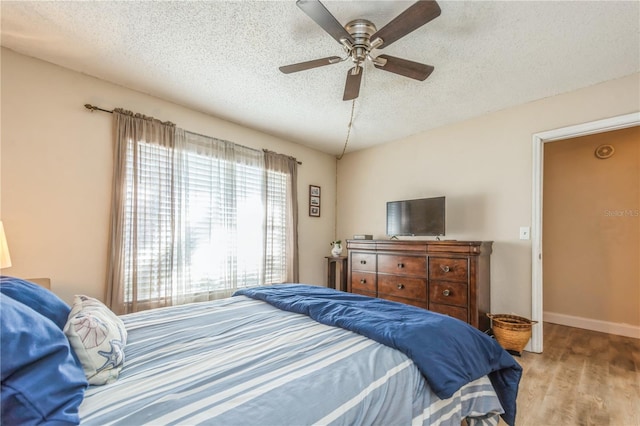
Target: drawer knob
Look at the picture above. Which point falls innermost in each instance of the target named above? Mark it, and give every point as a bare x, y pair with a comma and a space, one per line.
363, 281
400, 265
363, 262
444, 268
400, 286
446, 292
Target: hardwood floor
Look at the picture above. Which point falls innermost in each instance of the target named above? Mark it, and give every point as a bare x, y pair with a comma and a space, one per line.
582, 378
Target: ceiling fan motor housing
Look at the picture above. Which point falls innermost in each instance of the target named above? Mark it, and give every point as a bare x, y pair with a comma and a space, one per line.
361, 30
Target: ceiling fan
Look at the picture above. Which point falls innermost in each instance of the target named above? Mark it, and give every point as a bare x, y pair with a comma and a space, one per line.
360, 36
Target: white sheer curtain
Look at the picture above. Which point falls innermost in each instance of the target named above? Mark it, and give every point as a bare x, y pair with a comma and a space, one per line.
201, 217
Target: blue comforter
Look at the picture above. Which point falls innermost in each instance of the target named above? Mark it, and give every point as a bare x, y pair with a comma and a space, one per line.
448, 352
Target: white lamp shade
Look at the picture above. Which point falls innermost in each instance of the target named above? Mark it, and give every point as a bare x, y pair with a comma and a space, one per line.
5, 258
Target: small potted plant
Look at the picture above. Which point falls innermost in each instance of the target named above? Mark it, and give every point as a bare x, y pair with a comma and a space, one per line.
336, 248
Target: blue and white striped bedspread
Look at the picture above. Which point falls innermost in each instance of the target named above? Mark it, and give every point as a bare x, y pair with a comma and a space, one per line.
240, 361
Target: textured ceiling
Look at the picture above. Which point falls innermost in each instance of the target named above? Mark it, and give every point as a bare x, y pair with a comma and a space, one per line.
222, 58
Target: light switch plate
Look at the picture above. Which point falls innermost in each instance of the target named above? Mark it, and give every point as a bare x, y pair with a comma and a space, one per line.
525, 232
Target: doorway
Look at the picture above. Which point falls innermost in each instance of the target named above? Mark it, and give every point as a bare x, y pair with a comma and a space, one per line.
539, 139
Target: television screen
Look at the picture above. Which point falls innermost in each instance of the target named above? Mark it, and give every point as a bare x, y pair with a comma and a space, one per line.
423, 217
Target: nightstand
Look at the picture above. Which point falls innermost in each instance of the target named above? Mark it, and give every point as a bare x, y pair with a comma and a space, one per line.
332, 265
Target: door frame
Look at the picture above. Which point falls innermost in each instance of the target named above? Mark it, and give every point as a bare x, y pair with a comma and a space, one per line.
539, 139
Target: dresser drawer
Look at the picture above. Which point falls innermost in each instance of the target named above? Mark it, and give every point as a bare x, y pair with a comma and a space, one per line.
448, 269
363, 282
415, 302
399, 286
448, 293
363, 293
402, 265
363, 262
452, 311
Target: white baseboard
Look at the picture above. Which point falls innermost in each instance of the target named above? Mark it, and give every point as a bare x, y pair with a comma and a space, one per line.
619, 329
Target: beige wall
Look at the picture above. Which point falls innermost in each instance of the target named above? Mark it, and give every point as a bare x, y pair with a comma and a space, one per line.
484, 168
591, 230
56, 163
56, 170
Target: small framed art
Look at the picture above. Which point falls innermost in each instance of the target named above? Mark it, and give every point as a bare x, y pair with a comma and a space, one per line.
314, 201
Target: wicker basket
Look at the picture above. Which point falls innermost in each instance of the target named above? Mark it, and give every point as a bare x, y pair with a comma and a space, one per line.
511, 331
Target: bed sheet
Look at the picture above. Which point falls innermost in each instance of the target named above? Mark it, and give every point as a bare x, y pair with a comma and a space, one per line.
240, 361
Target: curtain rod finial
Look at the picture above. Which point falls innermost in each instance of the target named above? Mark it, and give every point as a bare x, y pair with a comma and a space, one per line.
95, 108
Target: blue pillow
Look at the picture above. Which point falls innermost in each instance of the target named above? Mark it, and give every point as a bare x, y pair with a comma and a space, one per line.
37, 298
41, 380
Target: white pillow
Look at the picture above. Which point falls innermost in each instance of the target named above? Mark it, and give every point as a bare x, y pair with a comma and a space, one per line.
98, 337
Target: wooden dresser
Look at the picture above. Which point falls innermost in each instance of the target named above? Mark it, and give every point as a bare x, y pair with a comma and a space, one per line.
449, 277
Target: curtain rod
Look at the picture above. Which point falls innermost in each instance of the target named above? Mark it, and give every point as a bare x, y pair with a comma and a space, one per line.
95, 108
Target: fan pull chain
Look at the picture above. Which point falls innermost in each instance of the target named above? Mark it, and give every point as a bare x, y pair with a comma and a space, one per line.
335, 223
353, 105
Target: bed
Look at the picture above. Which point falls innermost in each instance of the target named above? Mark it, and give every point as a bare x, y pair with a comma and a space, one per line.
280, 355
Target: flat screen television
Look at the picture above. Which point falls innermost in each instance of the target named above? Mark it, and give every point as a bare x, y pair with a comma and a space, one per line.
422, 217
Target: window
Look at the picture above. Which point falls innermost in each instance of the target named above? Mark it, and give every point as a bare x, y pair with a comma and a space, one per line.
201, 218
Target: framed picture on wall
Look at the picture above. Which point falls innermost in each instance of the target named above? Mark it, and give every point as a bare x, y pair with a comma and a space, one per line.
314, 200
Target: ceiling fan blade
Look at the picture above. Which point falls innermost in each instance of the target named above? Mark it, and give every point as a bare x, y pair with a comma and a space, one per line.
352, 87
316, 11
288, 69
411, 19
404, 67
